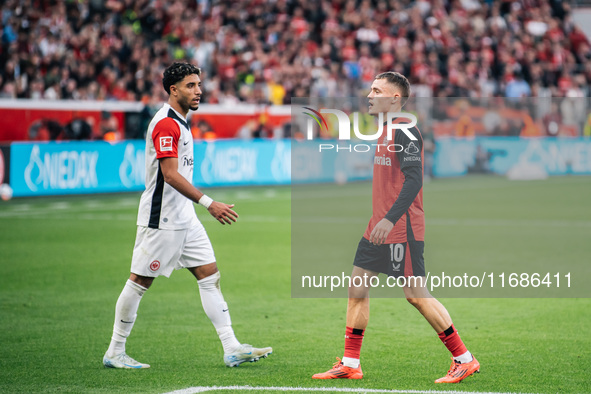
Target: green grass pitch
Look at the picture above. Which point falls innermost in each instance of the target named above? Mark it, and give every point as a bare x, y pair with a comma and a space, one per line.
64, 261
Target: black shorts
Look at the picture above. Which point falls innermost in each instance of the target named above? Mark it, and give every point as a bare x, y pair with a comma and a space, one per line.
391, 259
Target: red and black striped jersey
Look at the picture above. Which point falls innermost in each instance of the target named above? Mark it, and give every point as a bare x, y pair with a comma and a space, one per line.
394, 161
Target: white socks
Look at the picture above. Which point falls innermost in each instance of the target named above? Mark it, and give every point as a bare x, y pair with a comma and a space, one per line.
125, 314
350, 362
464, 358
217, 310
212, 300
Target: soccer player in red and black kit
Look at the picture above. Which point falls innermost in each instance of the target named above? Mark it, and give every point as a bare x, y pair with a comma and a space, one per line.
393, 242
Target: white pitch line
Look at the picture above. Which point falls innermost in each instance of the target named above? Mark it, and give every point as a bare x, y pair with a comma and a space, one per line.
202, 389
60, 205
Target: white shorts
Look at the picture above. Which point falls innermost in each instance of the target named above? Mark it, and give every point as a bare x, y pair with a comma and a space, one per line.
157, 252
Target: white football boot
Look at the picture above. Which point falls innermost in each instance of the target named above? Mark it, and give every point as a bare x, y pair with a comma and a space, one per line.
122, 360
246, 353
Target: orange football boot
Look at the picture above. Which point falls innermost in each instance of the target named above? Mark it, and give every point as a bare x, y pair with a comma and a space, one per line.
458, 371
340, 371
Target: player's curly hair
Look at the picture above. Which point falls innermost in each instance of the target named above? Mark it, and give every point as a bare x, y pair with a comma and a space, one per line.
176, 72
399, 81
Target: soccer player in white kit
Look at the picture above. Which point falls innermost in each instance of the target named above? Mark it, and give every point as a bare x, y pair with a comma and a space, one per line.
169, 235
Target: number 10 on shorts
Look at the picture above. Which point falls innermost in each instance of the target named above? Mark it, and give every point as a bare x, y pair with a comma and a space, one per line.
396, 255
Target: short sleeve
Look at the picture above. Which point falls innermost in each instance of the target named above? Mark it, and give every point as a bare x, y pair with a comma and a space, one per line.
166, 137
410, 155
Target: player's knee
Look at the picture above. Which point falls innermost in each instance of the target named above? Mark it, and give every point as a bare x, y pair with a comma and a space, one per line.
143, 281
358, 292
356, 302
415, 301
204, 271
210, 282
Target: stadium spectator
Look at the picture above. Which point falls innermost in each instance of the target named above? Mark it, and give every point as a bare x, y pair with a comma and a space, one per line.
464, 126
248, 130
109, 127
8, 90
517, 87
46, 130
262, 51
201, 129
79, 129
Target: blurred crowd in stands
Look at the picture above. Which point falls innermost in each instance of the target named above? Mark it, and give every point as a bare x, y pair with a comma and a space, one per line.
267, 51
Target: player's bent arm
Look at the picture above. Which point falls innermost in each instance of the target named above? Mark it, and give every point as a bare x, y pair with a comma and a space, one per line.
411, 166
413, 182
169, 167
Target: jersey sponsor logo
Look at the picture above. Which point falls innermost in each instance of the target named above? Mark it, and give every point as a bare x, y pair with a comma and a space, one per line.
411, 149
187, 161
155, 265
186, 142
166, 144
396, 267
382, 161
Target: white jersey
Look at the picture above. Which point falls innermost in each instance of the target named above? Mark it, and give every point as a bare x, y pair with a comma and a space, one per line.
161, 206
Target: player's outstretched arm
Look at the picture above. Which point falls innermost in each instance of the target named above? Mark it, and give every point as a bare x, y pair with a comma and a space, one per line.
219, 210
